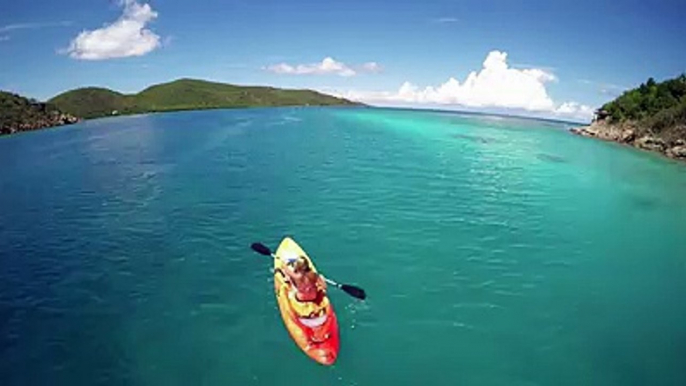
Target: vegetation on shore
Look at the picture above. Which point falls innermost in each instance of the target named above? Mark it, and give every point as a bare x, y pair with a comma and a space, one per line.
655, 108
186, 94
21, 114
650, 117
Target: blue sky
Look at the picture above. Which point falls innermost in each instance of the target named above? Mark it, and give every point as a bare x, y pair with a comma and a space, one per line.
546, 57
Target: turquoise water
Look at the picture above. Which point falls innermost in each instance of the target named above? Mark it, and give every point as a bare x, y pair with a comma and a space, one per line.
495, 251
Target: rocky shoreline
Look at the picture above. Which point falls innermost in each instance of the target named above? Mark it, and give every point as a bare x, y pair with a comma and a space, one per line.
52, 120
19, 114
630, 134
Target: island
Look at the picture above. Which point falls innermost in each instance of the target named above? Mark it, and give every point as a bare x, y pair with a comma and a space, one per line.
21, 114
650, 117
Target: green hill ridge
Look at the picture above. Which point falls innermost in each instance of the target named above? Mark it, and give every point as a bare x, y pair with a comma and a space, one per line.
186, 94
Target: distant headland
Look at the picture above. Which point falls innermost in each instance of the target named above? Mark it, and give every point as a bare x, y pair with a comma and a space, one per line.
21, 114
650, 117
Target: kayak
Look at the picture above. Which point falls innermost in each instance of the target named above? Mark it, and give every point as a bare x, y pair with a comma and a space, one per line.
312, 325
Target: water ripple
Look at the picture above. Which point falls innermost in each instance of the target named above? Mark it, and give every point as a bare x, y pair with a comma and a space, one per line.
509, 253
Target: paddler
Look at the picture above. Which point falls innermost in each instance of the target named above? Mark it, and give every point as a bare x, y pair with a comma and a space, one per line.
307, 283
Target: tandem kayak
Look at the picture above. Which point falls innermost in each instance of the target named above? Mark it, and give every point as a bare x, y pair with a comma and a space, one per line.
312, 325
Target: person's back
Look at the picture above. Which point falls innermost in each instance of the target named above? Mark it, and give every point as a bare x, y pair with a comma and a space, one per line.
309, 286
306, 282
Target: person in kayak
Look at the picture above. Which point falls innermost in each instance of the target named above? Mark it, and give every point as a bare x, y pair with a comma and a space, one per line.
309, 285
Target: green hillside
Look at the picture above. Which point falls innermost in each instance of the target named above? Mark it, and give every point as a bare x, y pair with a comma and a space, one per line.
91, 102
185, 94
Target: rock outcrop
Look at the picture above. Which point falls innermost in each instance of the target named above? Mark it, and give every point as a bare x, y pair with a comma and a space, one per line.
651, 143
629, 133
40, 123
678, 152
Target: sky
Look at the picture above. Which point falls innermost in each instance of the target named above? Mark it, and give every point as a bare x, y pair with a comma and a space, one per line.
555, 59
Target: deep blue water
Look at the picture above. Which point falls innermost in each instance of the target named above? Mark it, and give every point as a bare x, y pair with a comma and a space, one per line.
495, 251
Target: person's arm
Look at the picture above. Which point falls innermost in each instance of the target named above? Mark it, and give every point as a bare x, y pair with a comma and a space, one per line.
288, 274
321, 283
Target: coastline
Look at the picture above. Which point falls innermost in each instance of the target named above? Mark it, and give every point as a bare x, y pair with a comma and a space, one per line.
630, 134
25, 114
68, 119
44, 123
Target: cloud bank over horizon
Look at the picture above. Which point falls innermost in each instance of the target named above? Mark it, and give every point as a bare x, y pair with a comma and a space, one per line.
126, 37
495, 85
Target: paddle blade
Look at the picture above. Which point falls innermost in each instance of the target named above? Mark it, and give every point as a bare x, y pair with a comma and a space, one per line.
353, 291
261, 249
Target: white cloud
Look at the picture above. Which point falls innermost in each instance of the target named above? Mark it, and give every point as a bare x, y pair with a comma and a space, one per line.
495, 85
574, 110
444, 20
20, 26
328, 66
128, 36
610, 89
28, 26
372, 67
601, 84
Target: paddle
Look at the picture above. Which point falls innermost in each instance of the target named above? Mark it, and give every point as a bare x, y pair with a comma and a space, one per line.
351, 290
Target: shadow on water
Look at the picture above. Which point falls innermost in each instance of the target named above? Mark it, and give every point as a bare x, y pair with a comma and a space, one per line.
475, 138
551, 158
645, 202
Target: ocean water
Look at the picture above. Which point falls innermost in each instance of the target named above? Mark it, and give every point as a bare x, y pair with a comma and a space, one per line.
495, 251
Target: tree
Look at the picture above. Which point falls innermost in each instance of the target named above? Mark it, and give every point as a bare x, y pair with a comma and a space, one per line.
647, 100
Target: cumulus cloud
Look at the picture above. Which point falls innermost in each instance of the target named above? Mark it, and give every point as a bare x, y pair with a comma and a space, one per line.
328, 66
126, 37
495, 85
